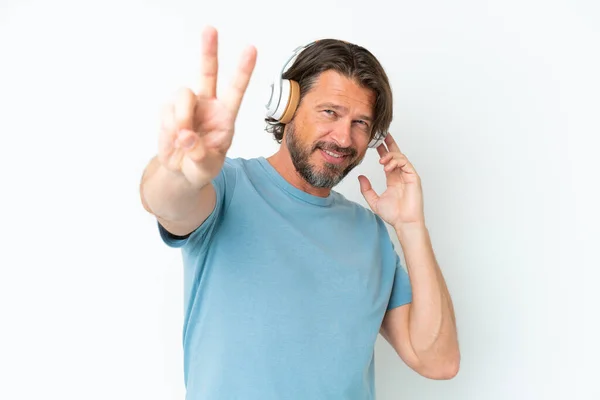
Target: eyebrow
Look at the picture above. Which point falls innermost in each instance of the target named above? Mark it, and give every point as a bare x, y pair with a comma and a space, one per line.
337, 107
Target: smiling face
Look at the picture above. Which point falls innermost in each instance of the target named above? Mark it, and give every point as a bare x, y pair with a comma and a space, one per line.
330, 132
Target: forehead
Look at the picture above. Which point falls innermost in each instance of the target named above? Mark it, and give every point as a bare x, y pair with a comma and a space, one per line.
334, 87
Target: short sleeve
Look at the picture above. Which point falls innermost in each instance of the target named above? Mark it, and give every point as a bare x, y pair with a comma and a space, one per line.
401, 288
224, 185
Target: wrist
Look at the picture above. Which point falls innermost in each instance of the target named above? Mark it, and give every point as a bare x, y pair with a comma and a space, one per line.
410, 230
410, 226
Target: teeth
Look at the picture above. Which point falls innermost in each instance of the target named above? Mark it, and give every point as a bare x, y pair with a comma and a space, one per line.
332, 154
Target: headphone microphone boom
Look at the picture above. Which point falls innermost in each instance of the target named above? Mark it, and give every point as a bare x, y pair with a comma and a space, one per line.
285, 96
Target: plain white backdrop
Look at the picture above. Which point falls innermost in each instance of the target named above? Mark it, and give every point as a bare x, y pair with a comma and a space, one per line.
497, 105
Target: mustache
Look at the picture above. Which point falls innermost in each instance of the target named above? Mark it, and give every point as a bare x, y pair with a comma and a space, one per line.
347, 151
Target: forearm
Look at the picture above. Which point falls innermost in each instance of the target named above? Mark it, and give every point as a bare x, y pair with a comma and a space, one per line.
169, 196
432, 325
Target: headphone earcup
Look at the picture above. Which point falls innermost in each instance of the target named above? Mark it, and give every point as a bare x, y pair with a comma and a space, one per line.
377, 140
274, 99
284, 100
292, 102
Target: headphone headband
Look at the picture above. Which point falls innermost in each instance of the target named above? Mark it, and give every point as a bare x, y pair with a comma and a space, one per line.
295, 55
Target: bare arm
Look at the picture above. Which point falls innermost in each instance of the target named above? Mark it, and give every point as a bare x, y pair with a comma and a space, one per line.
424, 332
178, 206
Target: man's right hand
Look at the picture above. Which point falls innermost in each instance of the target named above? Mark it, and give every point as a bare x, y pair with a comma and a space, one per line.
197, 129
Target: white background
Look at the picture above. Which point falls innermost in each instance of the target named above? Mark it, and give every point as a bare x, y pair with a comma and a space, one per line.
497, 104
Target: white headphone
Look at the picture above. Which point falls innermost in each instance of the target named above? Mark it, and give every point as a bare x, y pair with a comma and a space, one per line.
285, 96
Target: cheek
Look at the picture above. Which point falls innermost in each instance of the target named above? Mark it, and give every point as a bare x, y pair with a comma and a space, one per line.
362, 141
317, 126
322, 131
312, 133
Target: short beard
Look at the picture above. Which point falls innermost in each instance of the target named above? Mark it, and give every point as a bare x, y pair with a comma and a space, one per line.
332, 173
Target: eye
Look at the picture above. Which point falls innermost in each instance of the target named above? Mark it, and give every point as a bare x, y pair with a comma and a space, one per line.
329, 112
364, 124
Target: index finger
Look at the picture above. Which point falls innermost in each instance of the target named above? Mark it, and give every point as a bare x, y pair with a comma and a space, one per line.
233, 97
381, 150
210, 63
391, 143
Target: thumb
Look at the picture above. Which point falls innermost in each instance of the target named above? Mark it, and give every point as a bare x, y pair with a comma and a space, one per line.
186, 139
367, 191
192, 145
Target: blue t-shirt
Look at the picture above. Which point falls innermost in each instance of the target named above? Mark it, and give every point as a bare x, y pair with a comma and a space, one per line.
284, 292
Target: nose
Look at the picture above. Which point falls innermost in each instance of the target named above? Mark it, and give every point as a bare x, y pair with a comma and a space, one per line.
342, 134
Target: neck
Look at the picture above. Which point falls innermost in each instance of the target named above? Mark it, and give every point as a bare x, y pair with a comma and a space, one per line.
282, 162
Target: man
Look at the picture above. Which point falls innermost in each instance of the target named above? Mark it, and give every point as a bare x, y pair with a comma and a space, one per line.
287, 283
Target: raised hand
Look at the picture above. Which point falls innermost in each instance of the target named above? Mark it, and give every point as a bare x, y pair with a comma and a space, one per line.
197, 129
402, 201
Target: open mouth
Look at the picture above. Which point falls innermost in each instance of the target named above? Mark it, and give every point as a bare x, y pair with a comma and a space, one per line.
332, 156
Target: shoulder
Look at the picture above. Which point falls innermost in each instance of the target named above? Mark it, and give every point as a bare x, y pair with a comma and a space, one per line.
234, 162
233, 166
230, 176
237, 173
363, 213
370, 226
241, 164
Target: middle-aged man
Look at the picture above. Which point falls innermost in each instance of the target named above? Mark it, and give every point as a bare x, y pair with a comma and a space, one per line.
287, 283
